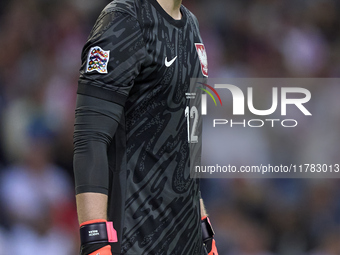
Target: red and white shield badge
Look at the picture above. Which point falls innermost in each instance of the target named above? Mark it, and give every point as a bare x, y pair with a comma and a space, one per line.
203, 58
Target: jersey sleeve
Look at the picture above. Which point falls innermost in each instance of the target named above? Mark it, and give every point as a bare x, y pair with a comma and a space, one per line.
96, 121
112, 57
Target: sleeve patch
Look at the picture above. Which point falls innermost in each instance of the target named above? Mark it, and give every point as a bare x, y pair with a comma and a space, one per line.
97, 60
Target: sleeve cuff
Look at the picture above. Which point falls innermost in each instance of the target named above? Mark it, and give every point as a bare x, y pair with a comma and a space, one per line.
93, 189
101, 93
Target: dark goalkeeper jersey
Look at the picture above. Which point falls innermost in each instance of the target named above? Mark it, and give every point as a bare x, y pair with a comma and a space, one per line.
139, 57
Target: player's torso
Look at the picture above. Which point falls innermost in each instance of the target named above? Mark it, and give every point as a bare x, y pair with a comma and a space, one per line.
155, 108
161, 205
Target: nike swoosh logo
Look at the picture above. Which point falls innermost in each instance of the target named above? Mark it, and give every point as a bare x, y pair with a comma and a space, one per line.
169, 63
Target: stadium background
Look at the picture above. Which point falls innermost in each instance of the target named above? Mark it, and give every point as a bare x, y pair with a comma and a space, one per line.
40, 44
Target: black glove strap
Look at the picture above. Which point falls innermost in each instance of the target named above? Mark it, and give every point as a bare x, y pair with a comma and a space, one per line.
207, 230
93, 233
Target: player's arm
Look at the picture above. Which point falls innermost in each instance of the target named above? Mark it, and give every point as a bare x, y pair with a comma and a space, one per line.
111, 60
207, 231
96, 122
91, 206
203, 210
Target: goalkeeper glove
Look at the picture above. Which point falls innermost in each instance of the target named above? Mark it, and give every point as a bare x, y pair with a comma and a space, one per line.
96, 236
208, 236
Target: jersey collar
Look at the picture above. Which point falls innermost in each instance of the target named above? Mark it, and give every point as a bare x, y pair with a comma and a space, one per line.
176, 23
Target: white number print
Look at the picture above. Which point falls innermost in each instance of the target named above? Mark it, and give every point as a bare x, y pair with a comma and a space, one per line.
192, 114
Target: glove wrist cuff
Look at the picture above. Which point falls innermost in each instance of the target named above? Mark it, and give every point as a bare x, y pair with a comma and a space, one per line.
207, 230
97, 231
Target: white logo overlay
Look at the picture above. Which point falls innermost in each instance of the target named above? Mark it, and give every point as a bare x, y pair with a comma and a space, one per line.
239, 102
169, 63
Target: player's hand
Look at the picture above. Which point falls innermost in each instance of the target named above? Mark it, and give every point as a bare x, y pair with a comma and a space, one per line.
94, 250
106, 250
96, 237
208, 236
211, 247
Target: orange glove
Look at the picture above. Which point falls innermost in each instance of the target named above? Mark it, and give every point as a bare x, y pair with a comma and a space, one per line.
106, 250
213, 250
96, 236
208, 236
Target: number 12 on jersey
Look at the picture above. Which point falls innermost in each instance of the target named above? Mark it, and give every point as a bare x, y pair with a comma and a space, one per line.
192, 114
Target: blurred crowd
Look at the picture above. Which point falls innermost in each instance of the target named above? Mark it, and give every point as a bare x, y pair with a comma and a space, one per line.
40, 44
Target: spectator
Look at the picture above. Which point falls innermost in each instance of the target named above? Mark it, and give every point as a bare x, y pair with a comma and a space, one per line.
36, 196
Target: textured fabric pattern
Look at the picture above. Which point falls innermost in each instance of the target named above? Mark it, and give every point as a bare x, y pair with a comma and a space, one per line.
153, 202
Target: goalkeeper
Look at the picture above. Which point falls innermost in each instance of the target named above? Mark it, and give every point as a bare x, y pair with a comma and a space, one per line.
131, 144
